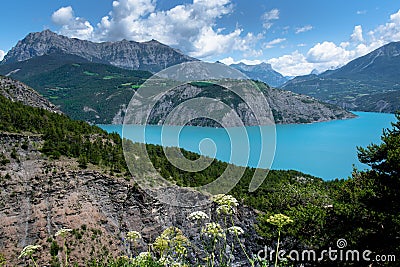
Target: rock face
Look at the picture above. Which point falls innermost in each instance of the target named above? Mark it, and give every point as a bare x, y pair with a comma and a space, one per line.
289, 108
262, 72
152, 55
40, 197
19, 92
286, 107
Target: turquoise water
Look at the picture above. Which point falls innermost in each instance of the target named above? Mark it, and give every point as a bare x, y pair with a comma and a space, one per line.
326, 150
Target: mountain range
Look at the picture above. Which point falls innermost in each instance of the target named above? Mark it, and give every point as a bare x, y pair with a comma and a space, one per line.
151, 56
368, 83
92, 89
262, 72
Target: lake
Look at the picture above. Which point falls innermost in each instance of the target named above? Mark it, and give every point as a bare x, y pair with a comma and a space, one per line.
326, 149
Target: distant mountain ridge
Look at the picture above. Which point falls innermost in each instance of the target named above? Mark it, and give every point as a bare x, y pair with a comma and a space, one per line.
262, 72
151, 56
368, 83
100, 93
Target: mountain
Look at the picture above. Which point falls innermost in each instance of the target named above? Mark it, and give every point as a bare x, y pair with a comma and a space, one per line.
262, 72
287, 107
151, 56
368, 83
19, 92
100, 93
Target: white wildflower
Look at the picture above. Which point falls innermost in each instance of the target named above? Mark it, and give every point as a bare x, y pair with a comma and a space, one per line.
197, 215
133, 236
228, 200
225, 209
236, 230
29, 250
213, 230
63, 232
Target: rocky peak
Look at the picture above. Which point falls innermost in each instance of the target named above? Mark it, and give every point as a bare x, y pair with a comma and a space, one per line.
152, 55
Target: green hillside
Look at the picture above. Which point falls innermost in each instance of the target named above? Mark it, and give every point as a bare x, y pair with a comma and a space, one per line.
87, 91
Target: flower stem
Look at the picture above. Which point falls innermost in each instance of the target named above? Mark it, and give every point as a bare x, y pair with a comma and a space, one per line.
241, 245
33, 260
66, 253
277, 248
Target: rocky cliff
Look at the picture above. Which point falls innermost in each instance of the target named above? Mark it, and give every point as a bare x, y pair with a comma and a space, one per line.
40, 197
286, 107
152, 55
17, 91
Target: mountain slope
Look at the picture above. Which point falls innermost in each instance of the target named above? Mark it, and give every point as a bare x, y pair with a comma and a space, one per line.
100, 93
262, 72
152, 56
19, 92
367, 83
92, 92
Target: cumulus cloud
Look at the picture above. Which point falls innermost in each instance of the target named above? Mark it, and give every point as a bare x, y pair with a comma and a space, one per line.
190, 27
357, 35
274, 42
328, 55
230, 61
304, 29
292, 64
63, 15
2, 54
72, 26
270, 16
327, 52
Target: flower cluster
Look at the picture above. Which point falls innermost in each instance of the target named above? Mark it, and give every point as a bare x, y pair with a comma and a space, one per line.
213, 230
235, 230
133, 236
225, 209
197, 215
172, 238
63, 232
227, 200
29, 250
279, 220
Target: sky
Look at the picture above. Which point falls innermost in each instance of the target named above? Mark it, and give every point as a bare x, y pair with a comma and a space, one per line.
294, 36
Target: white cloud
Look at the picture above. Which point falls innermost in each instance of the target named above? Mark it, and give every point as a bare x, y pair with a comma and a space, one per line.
361, 12
72, 26
292, 65
357, 35
230, 61
304, 29
274, 42
190, 27
328, 55
327, 52
388, 32
269, 16
63, 15
2, 54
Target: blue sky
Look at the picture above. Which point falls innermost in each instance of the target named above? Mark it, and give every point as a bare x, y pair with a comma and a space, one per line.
294, 36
